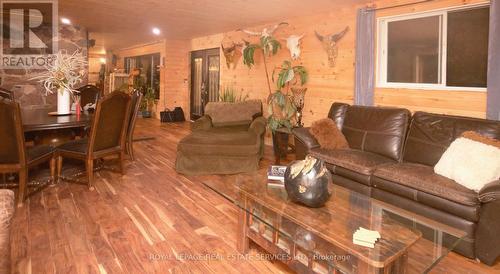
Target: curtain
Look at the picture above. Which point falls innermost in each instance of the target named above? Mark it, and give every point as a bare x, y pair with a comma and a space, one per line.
365, 58
493, 97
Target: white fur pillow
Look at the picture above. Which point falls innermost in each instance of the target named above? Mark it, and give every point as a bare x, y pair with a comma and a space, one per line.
470, 163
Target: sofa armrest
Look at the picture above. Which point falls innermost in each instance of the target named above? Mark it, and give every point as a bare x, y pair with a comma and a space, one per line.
258, 126
490, 192
305, 137
204, 123
487, 246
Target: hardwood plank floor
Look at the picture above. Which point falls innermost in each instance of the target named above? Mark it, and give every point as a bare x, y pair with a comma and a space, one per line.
150, 220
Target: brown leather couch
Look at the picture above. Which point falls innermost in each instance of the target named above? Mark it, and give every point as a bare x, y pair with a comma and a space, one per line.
392, 157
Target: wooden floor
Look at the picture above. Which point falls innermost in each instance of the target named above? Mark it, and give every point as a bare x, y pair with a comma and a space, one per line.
150, 220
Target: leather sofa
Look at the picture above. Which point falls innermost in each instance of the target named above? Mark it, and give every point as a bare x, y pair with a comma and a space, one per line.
229, 139
392, 159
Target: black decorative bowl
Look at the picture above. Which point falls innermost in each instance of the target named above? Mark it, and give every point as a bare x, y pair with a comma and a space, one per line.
308, 182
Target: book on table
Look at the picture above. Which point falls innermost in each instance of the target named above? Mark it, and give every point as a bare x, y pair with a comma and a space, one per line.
276, 174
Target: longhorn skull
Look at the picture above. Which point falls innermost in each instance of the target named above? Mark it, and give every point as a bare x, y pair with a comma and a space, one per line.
232, 54
266, 32
293, 45
330, 44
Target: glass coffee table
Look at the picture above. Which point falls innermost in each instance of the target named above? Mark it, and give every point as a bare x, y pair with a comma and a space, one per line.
319, 240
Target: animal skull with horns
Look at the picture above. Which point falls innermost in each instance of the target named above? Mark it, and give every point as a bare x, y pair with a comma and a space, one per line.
266, 32
293, 45
330, 44
232, 54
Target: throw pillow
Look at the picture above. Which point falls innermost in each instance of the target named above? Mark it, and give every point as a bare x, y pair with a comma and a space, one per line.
328, 135
470, 162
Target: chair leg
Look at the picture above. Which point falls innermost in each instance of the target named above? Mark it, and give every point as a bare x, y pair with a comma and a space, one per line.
59, 167
53, 170
121, 158
23, 180
130, 150
90, 173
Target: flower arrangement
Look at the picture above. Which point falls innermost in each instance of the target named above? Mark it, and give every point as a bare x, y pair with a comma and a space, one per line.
64, 73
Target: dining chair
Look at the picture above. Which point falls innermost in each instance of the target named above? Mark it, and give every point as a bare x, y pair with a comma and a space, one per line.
89, 94
7, 94
14, 156
107, 136
135, 104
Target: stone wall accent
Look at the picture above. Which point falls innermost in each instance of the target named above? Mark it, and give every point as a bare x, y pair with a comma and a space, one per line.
30, 93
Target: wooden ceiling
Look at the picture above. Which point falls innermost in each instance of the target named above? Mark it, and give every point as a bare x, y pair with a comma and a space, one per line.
119, 24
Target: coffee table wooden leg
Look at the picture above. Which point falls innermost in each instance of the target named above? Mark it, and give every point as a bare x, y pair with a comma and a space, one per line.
243, 242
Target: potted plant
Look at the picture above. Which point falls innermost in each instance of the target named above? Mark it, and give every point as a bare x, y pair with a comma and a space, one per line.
281, 105
62, 76
229, 95
147, 103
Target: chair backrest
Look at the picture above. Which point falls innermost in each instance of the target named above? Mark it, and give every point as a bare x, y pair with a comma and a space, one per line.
89, 94
7, 94
110, 122
134, 108
11, 134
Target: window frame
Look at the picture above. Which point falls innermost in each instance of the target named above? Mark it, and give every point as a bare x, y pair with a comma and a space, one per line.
382, 43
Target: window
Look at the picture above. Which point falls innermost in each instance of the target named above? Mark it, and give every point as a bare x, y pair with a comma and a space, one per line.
436, 50
150, 70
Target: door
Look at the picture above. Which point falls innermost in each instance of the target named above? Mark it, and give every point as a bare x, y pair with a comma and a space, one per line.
205, 67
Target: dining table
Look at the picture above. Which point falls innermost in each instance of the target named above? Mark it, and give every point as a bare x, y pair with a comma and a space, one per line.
43, 127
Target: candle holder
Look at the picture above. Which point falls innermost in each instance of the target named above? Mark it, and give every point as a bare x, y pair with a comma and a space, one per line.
298, 100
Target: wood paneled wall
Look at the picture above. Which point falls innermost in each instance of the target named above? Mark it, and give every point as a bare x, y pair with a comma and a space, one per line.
326, 84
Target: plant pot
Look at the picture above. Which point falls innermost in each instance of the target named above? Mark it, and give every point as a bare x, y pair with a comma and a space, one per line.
63, 102
146, 114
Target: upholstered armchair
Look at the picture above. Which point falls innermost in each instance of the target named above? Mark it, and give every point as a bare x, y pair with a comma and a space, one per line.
229, 139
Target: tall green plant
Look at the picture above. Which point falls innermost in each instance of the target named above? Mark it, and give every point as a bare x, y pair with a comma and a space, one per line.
281, 104
287, 73
268, 45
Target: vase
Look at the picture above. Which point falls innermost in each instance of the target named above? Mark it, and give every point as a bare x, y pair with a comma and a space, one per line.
308, 182
63, 102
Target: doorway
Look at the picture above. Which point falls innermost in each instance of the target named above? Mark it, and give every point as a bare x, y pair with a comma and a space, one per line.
205, 73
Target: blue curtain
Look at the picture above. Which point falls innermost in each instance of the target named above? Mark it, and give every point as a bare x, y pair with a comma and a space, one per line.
365, 58
493, 98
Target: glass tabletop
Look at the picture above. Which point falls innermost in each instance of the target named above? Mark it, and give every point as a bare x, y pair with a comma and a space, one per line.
321, 239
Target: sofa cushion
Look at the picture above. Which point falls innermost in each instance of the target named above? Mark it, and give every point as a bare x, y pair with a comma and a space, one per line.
430, 135
376, 129
469, 163
227, 114
220, 142
328, 135
423, 178
356, 160
467, 212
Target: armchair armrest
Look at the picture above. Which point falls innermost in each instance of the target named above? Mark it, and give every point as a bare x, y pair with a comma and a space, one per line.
258, 126
204, 123
305, 137
490, 192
